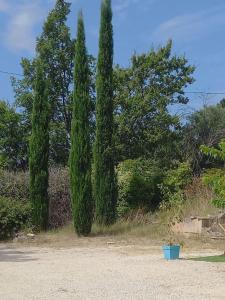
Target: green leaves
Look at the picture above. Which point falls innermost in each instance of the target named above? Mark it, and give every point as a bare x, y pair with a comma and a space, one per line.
143, 94
80, 154
105, 187
56, 49
204, 127
14, 215
39, 151
215, 178
215, 153
13, 148
138, 182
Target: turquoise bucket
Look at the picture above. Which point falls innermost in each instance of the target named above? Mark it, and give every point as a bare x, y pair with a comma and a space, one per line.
171, 252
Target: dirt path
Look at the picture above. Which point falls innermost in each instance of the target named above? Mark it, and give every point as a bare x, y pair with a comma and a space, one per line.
109, 272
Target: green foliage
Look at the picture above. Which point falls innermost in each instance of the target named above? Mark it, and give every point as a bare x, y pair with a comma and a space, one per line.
39, 152
58, 148
215, 178
14, 216
214, 152
80, 155
175, 180
56, 50
172, 206
143, 94
204, 127
12, 140
138, 182
105, 190
15, 185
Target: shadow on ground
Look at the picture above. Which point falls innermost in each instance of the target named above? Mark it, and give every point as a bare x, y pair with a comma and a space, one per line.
13, 255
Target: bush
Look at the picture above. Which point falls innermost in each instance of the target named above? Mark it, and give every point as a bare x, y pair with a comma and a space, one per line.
15, 185
174, 182
176, 179
138, 182
194, 200
215, 179
14, 215
60, 212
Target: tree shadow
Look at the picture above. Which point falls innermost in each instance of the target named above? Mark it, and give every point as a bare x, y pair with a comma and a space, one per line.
13, 255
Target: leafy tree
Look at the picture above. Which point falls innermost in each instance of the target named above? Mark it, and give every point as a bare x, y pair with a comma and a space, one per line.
105, 190
144, 95
204, 127
13, 150
39, 151
80, 155
56, 49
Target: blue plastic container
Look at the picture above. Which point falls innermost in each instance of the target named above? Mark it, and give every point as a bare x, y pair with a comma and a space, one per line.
171, 252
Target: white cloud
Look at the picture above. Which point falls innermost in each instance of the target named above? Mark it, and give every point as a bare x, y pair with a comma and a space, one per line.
22, 20
121, 5
20, 31
189, 27
4, 6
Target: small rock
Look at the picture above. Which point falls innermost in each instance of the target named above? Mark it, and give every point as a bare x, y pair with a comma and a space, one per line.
110, 243
31, 235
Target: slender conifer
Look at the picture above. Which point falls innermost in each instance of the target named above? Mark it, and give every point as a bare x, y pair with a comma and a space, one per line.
105, 190
80, 155
39, 152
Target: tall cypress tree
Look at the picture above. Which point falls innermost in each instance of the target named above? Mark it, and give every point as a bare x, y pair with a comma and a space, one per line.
80, 156
105, 190
39, 152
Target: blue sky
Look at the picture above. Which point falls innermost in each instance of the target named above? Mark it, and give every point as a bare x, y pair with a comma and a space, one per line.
196, 27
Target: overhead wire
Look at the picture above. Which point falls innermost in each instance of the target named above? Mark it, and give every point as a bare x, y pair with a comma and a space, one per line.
10, 73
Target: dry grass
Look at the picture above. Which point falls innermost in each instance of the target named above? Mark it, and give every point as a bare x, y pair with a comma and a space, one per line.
141, 228
198, 200
141, 236
130, 229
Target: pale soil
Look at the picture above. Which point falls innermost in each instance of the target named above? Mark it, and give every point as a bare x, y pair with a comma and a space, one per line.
102, 270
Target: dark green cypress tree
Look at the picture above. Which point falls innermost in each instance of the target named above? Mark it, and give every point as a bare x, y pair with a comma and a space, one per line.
39, 152
80, 155
105, 190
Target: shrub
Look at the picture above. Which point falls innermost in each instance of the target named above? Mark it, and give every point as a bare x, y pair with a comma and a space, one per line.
138, 182
215, 179
175, 180
15, 185
60, 212
194, 200
14, 215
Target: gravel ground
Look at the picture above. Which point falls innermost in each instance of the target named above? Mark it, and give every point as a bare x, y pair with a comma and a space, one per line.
108, 272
